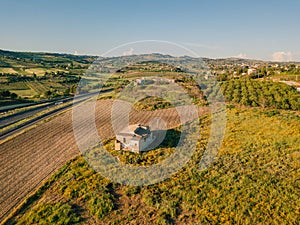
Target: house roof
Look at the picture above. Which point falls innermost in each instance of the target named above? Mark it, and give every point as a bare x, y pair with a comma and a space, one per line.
136, 131
140, 130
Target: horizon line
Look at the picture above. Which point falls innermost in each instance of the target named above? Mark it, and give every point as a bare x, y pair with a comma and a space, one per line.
99, 56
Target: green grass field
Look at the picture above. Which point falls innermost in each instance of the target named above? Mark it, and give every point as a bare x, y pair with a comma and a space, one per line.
7, 70
29, 93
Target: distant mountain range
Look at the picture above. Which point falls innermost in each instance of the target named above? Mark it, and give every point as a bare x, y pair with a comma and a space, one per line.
46, 56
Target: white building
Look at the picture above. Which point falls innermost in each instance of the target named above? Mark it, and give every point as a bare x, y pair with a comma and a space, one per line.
139, 81
252, 71
135, 138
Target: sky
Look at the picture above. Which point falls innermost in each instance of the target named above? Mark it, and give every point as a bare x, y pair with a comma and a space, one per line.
265, 29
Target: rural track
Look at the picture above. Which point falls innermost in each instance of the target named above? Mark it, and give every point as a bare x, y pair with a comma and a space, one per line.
28, 159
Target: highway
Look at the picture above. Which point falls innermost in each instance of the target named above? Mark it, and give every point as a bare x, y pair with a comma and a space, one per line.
51, 108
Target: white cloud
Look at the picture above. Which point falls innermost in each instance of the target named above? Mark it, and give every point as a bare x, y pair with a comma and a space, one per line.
282, 56
241, 56
75, 53
129, 52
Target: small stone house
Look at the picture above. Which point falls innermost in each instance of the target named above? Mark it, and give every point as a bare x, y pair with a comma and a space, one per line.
135, 138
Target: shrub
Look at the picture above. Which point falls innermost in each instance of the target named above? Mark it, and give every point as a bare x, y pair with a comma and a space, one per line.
100, 205
51, 213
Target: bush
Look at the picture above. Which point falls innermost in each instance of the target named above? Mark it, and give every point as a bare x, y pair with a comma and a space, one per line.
51, 213
164, 219
129, 191
100, 205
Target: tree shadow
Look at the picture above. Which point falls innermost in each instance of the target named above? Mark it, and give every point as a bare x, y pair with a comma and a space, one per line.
165, 138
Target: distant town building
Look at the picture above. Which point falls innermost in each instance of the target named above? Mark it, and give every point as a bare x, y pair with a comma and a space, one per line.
139, 81
252, 71
135, 138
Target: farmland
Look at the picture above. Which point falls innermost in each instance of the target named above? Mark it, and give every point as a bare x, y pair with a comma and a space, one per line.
23, 168
254, 180
36, 76
149, 112
258, 161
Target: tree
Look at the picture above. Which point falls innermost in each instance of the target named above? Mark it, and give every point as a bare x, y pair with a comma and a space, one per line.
5, 94
13, 95
67, 91
47, 94
236, 96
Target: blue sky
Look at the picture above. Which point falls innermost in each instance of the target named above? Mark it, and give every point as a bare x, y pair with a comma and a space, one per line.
225, 28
